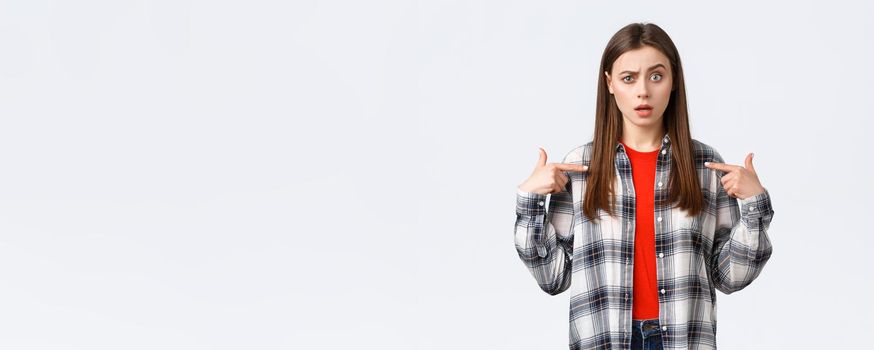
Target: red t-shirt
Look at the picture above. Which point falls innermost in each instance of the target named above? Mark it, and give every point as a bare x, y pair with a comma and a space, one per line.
645, 304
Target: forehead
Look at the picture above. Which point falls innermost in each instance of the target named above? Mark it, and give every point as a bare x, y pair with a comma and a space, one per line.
640, 59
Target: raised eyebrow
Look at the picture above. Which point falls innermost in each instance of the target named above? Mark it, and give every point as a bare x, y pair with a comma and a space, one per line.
657, 65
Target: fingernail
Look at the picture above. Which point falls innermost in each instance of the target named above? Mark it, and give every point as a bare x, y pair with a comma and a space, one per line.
585, 167
706, 163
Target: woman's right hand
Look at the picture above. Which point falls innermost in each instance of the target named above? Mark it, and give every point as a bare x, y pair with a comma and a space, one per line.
549, 177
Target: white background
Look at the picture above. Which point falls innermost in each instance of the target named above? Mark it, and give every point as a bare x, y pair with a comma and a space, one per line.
328, 175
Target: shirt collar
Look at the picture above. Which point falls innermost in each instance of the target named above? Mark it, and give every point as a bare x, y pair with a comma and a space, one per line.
665, 141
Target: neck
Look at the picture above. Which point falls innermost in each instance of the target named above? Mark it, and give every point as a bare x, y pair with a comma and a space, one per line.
641, 138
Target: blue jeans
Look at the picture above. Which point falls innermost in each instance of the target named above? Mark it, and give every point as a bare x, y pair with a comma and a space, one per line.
646, 335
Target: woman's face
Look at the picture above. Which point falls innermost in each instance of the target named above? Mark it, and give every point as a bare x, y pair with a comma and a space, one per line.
641, 76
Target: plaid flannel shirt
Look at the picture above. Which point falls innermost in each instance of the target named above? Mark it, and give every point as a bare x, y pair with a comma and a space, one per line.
724, 248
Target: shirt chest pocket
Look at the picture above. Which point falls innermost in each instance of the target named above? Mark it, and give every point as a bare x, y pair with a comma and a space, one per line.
680, 219
686, 230
609, 227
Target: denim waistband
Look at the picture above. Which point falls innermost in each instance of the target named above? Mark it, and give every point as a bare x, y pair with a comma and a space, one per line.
647, 324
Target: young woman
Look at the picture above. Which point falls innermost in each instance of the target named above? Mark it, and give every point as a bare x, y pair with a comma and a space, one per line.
643, 223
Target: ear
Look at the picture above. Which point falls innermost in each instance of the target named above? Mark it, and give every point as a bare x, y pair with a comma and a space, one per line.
609, 82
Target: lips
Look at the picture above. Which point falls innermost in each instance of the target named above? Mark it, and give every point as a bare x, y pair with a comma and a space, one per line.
643, 110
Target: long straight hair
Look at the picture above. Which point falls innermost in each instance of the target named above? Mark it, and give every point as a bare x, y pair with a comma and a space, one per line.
683, 185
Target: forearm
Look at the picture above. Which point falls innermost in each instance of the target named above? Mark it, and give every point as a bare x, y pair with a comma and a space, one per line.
537, 243
742, 249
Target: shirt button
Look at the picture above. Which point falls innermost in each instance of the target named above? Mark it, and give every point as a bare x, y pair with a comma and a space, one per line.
660, 218
541, 251
660, 184
752, 208
664, 328
661, 255
663, 291
664, 151
540, 203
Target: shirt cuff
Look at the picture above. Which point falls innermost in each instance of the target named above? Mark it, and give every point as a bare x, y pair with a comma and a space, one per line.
530, 203
756, 211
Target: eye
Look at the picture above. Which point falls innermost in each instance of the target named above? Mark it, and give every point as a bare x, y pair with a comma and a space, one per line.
657, 75
625, 80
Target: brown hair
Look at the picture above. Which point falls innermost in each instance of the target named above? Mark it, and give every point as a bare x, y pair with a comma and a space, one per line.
683, 184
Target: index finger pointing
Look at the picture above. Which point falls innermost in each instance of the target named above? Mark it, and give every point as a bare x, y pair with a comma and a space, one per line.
721, 166
572, 167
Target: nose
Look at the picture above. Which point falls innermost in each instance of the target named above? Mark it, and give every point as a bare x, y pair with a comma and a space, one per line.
642, 91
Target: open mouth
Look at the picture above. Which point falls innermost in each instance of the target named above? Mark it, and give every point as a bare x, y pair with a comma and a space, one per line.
644, 110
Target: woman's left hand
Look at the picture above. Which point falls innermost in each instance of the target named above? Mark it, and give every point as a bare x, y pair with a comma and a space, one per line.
739, 181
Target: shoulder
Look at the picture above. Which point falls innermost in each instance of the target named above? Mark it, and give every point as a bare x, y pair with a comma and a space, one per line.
581, 154
705, 153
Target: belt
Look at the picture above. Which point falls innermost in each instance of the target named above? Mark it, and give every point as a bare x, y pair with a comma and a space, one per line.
650, 326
